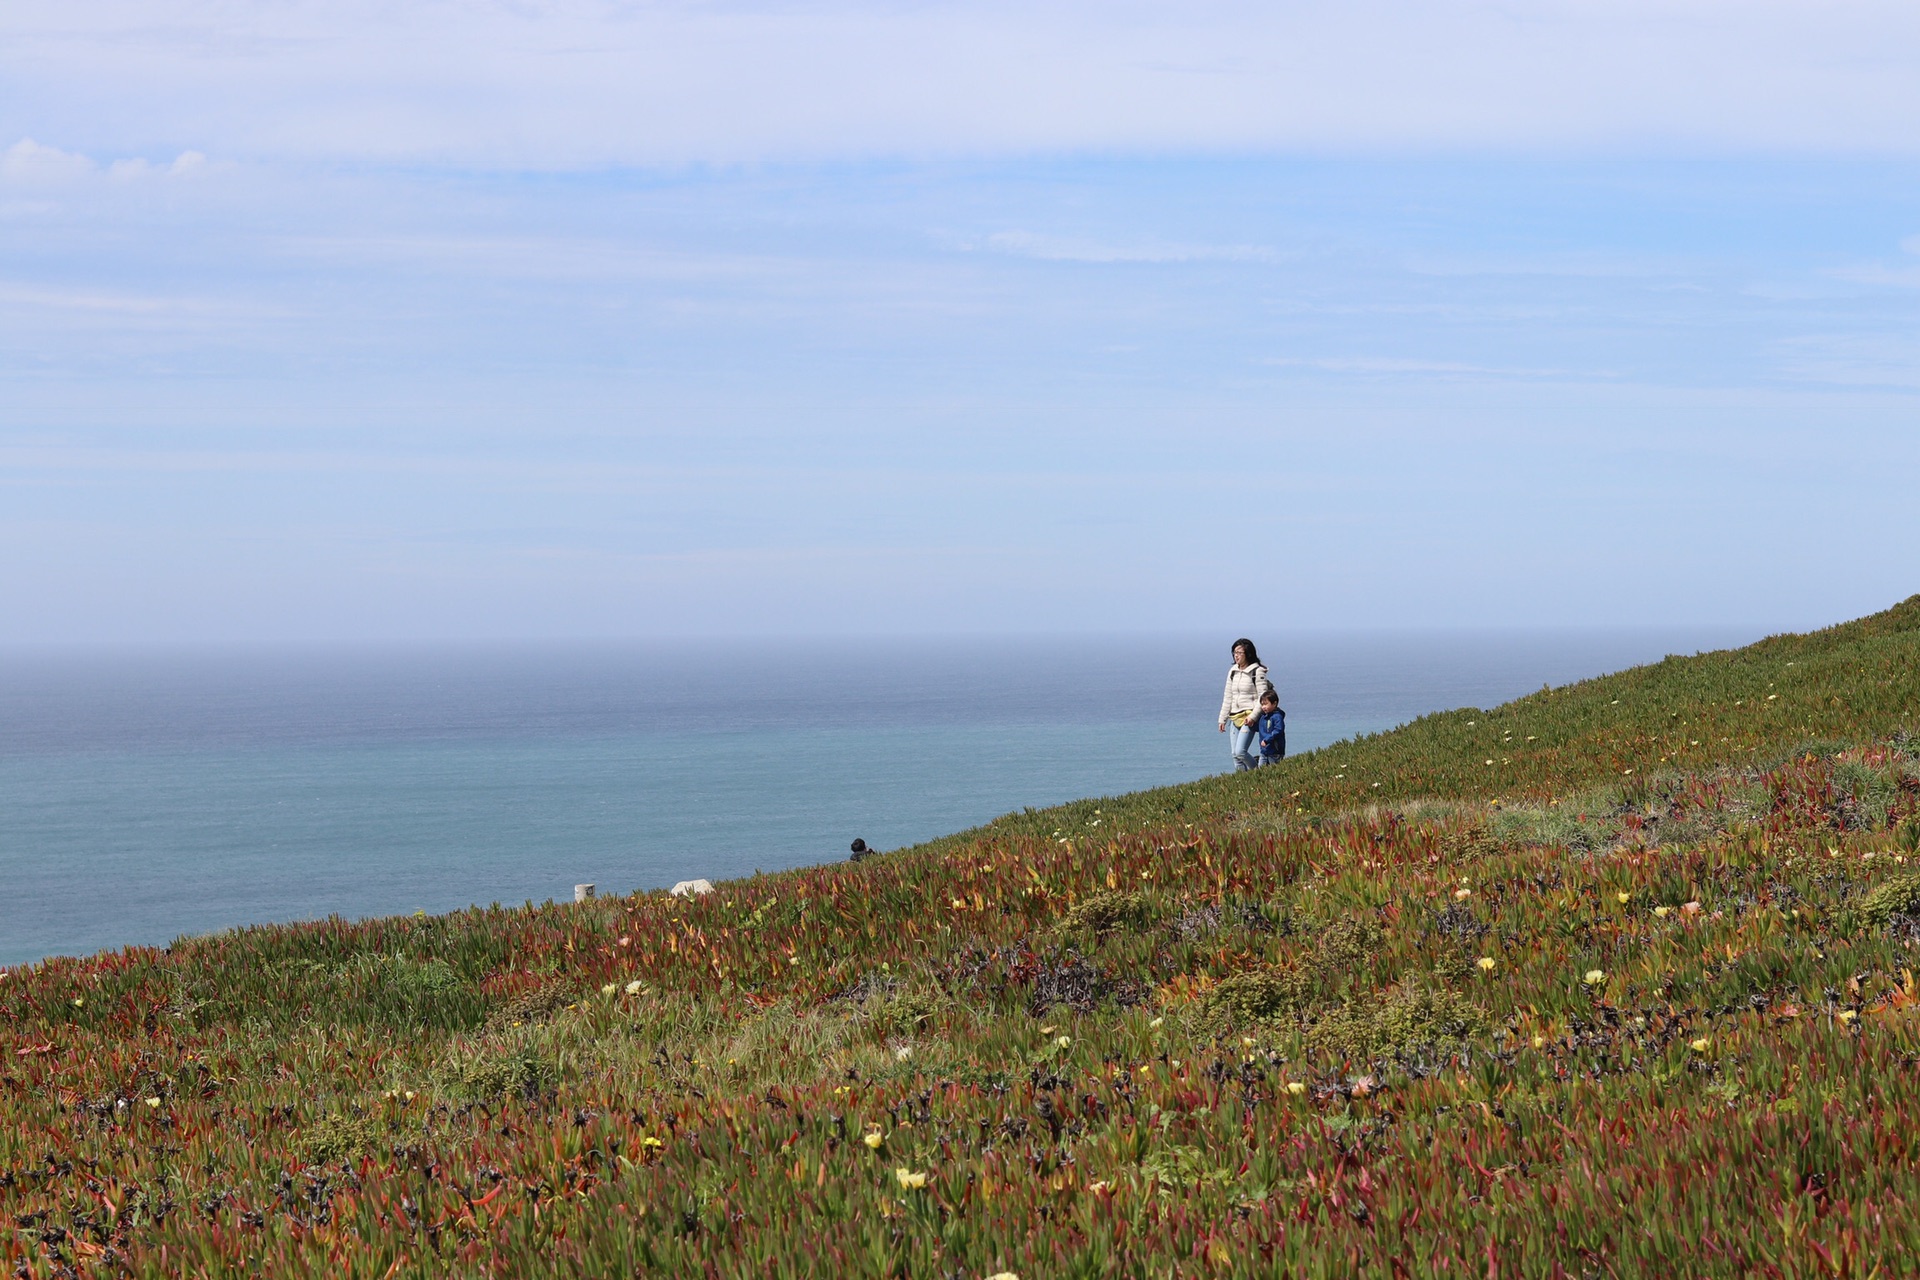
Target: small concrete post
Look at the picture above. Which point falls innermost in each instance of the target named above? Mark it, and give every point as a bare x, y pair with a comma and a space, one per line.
581, 892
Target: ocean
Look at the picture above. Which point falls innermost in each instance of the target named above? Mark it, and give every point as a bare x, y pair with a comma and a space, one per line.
145, 795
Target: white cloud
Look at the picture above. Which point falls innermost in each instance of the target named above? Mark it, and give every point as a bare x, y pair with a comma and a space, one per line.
1028, 244
1444, 368
1854, 360
28, 163
567, 83
186, 164
1899, 277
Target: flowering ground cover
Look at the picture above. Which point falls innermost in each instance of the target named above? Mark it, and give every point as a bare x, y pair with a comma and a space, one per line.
1616, 978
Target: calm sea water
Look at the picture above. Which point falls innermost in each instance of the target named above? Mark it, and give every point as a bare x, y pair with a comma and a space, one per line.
146, 796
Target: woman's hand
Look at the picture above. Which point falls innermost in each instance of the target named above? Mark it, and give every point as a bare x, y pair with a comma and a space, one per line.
1223, 726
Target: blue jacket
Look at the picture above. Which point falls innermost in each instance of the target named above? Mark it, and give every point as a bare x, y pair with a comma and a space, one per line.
1272, 731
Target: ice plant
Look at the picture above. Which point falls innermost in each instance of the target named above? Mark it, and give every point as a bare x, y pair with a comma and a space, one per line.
562, 1135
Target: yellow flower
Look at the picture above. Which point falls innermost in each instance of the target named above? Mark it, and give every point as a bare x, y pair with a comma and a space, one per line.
1595, 977
633, 988
1463, 893
909, 1180
1539, 1042
1700, 1045
1623, 897
153, 1102
609, 989
874, 1139
651, 1141
1847, 1015
1485, 962
1003, 1275
409, 1095
78, 1002
1064, 1041
1663, 912
1296, 1087
1156, 1022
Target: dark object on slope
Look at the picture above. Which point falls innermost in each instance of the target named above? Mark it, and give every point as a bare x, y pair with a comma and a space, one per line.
860, 851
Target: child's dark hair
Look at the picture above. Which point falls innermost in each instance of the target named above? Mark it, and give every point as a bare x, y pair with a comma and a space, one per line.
1270, 696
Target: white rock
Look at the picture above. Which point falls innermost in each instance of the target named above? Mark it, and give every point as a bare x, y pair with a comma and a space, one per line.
688, 888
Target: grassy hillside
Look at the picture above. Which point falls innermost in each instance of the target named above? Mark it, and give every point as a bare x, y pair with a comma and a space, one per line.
1615, 978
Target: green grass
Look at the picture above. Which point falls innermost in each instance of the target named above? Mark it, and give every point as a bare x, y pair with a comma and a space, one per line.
1635, 996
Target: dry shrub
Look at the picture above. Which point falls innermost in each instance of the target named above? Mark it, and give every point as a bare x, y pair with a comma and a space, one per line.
1258, 995
1409, 1021
1473, 841
339, 1138
537, 1005
1897, 897
1348, 941
1103, 913
483, 1072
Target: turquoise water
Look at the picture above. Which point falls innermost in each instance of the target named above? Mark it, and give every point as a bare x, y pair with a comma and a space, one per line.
147, 796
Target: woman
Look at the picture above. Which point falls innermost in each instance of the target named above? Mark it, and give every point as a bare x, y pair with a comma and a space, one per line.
1240, 704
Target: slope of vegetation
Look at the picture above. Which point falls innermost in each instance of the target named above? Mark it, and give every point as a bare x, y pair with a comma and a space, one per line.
1615, 978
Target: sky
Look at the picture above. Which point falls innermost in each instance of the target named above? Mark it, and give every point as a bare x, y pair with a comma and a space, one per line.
368, 321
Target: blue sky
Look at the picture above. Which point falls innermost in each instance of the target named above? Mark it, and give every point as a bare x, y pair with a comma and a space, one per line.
464, 320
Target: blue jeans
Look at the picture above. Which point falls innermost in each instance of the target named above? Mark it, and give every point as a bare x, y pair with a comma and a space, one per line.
1244, 742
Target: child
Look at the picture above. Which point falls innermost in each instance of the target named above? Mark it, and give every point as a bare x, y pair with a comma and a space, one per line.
1271, 728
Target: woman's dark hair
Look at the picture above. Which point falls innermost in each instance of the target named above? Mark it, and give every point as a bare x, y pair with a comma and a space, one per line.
1253, 654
